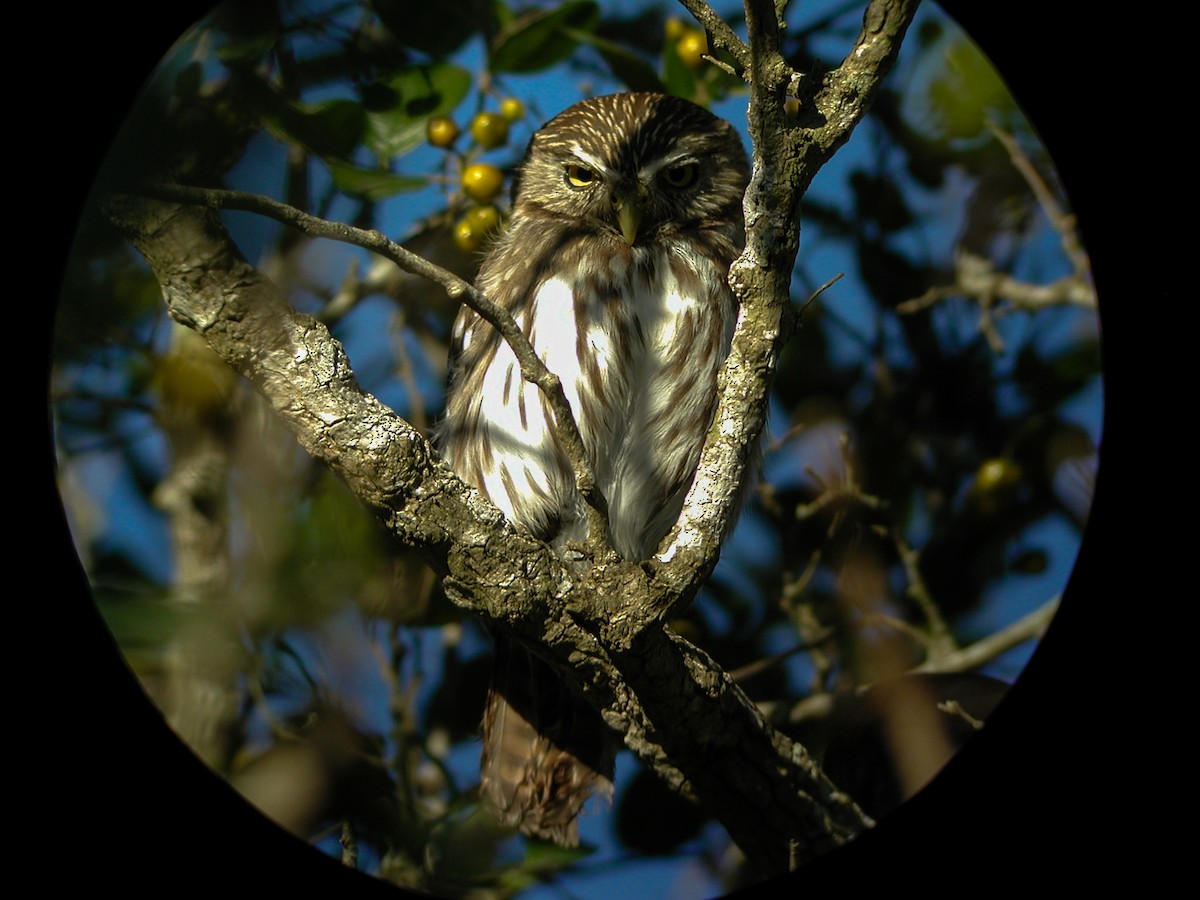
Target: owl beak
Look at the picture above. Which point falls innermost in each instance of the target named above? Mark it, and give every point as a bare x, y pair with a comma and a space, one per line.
629, 217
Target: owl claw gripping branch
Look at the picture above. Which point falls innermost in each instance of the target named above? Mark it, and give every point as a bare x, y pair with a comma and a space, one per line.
626, 216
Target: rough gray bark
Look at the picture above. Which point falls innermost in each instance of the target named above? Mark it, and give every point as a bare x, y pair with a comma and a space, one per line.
677, 709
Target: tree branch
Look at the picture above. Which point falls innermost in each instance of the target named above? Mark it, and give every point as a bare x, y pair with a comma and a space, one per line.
678, 710
1029, 627
788, 153
533, 369
719, 31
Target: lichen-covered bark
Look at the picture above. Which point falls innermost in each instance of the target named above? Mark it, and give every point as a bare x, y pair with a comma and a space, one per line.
789, 150
675, 707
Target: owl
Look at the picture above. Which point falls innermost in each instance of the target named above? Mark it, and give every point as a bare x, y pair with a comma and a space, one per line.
626, 215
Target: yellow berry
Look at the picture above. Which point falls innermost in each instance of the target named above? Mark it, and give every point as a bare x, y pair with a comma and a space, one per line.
691, 48
996, 483
997, 474
512, 109
482, 181
474, 227
489, 130
467, 237
484, 218
441, 131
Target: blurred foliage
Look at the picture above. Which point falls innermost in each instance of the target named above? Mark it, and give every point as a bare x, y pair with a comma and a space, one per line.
922, 488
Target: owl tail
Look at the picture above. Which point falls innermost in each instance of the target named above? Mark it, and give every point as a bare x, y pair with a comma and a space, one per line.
545, 751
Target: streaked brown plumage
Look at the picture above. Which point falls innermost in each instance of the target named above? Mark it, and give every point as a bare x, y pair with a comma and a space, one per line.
626, 216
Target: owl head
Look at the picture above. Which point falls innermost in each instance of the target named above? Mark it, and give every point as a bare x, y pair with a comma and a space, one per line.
638, 168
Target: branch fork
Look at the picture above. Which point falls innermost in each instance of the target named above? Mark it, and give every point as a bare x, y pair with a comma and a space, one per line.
679, 711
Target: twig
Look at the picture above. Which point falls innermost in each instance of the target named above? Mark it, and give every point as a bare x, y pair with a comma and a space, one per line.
1060, 220
967, 659
941, 641
721, 34
848, 490
954, 708
349, 845
998, 294
533, 369
761, 665
815, 294
976, 278
792, 316
1027, 628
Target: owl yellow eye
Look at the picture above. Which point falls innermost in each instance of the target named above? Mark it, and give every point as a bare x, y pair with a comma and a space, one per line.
579, 177
681, 176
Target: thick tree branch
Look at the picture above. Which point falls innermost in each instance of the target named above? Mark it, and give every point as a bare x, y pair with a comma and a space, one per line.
601, 628
678, 710
533, 369
788, 153
292, 360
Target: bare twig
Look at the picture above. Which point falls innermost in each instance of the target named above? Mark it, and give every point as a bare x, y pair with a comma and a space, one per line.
1027, 628
1060, 220
998, 293
941, 641
793, 315
954, 708
768, 662
533, 369
846, 491
788, 152
719, 31
976, 277
817, 293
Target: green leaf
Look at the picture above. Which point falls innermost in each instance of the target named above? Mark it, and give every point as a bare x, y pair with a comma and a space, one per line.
539, 39
503, 15
398, 107
330, 128
967, 91
373, 185
629, 68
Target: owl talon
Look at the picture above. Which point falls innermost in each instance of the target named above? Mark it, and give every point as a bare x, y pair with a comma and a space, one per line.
574, 552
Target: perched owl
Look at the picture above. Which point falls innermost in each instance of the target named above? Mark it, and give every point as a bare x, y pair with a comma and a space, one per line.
627, 213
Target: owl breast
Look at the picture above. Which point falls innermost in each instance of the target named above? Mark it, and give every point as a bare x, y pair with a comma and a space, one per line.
637, 342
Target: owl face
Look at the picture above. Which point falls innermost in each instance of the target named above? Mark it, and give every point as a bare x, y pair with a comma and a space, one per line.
635, 168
